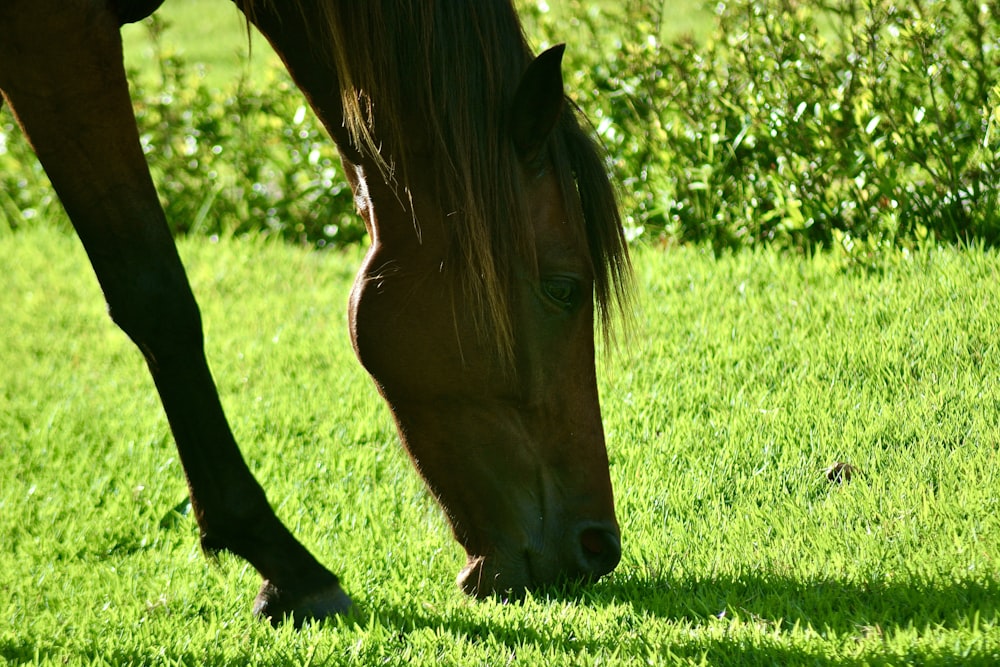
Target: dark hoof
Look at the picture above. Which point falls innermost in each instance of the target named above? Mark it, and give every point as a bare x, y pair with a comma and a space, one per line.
841, 472
278, 606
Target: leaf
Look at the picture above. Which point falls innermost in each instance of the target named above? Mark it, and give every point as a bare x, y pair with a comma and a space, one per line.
176, 515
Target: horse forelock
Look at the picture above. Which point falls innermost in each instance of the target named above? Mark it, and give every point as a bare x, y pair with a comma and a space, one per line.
453, 66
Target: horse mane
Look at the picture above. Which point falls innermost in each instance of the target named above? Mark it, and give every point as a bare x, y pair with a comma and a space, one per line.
455, 65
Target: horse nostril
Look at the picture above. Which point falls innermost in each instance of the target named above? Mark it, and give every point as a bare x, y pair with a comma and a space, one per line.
600, 549
594, 541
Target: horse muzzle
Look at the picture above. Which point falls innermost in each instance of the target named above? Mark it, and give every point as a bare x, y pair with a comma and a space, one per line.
589, 551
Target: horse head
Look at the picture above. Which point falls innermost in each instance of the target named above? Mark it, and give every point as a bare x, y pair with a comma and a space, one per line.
497, 405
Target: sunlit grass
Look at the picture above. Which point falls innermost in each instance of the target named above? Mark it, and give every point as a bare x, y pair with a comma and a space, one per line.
750, 375
212, 35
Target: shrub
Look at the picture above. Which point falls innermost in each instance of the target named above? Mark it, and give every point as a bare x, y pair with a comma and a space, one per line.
253, 159
225, 162
861, 123
25, 192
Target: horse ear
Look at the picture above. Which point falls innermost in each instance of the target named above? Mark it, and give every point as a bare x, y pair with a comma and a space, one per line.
537, 103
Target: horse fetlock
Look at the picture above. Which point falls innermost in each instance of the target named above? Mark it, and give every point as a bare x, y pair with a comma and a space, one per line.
278, 605
264, 542
244, 533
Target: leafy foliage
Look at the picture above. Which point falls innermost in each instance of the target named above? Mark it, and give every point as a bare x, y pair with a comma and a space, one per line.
250, 159
854, 122
863, 124
253, 158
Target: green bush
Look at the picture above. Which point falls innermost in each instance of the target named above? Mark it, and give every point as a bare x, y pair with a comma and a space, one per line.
252, 159
225, 162
863, 123
25, 192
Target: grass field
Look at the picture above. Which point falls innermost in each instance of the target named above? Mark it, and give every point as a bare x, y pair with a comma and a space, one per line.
747, 377
212, 35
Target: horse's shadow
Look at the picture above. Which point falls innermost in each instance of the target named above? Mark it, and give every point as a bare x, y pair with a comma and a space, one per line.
821, 603
830, 607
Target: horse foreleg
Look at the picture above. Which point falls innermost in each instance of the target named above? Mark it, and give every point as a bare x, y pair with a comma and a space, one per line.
61, 72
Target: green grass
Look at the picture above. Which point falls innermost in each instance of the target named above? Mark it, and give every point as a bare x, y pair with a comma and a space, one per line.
748, 375
212, 35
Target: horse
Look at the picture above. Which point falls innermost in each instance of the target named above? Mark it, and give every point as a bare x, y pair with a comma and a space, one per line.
496, 257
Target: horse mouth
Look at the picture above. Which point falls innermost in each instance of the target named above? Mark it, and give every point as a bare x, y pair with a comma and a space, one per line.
482, 577
508, 579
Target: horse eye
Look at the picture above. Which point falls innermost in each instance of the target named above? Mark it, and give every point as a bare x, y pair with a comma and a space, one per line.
560, 290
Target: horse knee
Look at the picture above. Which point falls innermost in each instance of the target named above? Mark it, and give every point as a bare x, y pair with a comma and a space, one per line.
157, 310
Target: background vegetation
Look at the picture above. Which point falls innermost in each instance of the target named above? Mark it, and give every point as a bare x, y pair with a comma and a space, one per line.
855, 123
859, 124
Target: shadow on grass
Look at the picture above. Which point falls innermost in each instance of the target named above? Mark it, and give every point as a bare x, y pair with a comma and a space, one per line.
822, 604
836, 610
840, 611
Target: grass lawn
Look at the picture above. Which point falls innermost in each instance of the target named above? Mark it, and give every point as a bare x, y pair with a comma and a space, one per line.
212, 35
746, 378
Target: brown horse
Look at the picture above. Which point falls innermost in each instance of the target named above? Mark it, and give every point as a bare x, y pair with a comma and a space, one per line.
494, 242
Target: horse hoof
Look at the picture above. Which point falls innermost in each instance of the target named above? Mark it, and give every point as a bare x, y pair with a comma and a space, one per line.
278, 606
